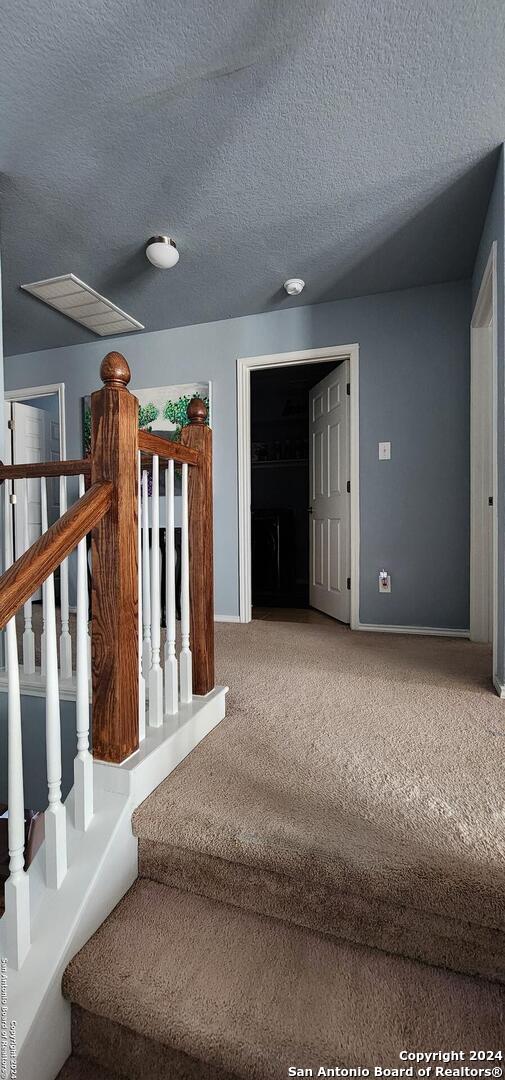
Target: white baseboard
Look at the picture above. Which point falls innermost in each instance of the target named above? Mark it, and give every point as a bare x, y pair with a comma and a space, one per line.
226, 618
430, 631
499, 686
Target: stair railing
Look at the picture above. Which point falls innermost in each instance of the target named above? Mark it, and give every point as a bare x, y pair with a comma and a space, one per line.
126, 668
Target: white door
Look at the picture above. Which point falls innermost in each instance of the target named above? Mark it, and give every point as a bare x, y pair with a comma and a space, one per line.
29, 445
330, 518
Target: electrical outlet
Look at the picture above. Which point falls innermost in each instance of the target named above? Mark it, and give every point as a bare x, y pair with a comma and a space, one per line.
384, 581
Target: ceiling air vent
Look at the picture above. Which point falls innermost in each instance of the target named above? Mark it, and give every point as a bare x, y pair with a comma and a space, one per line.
82, 304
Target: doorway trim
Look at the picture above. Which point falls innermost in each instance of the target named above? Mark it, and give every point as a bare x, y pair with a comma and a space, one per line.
246, 364
23, 393
484, 314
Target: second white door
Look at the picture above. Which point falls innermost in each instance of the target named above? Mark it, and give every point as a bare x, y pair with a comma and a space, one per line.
330, 519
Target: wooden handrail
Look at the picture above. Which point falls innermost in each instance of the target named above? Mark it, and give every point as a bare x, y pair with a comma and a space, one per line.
171, 451
28, 573
45, 468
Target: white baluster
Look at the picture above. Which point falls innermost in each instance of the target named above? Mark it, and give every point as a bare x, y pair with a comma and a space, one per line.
146, 579
65, 639
17, 886
185, 661
155, 674
171, 673
142, 682
28, 635
43, 525
83, 762
55, 815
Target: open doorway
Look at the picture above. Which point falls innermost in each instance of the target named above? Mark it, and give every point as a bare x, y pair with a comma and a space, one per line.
34, 430
280, 487
297, 458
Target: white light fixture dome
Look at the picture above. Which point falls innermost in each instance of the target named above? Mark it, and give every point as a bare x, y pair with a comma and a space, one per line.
162, 252
294, 286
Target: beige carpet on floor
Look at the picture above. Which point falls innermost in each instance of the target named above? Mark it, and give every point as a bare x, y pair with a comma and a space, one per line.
355, 786
175, 986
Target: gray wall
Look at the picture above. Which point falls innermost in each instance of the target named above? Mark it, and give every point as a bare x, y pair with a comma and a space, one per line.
33, 713
48, 402
414, 390
494, 230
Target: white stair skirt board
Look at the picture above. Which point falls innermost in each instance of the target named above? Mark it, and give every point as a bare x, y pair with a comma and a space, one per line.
429, 631
102, 865
35, 686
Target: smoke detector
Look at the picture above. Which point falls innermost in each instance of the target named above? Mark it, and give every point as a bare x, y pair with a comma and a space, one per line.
294, 286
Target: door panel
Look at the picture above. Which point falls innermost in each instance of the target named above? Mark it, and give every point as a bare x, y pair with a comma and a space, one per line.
317, 576
330, 552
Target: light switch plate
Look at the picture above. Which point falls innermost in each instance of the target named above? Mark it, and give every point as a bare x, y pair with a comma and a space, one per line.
384, 451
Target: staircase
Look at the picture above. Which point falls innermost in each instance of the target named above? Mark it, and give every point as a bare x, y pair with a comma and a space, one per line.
143, 700
290, 912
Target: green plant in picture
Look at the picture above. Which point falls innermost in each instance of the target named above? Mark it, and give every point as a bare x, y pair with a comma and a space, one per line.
147, 414
177, 413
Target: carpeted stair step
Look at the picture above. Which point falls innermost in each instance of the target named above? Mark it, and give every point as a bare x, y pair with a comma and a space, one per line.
77, 1068
354, 788
363, 918
173, 981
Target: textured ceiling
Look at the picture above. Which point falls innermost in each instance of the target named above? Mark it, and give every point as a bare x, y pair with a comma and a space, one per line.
351, 142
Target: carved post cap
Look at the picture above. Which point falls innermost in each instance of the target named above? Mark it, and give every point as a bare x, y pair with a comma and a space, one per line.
197, 411
114, 371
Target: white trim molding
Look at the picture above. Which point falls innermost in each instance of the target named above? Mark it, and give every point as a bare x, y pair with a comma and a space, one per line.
226, 618
499, 687
26, 392
246, 364
426, 631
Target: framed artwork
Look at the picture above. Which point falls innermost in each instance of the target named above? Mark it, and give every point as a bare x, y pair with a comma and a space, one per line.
163, 410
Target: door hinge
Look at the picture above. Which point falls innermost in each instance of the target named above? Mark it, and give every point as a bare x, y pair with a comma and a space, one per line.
490, 500
348, 389
348, 486
10, 425
348, 583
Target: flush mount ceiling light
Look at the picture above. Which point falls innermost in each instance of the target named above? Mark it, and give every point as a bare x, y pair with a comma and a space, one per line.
69, 295
162, 252
294, 286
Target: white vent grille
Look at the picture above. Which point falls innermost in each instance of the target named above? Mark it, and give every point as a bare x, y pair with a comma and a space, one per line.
81, 303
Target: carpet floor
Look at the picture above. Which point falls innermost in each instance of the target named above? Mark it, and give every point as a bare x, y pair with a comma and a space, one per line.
175, 985
342, 823
355, 786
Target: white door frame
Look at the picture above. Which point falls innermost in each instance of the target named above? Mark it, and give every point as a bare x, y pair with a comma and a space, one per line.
26, 392
484, 314
246, 364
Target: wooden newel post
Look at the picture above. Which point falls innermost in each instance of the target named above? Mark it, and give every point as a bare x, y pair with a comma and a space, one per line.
114, 427
201, 568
